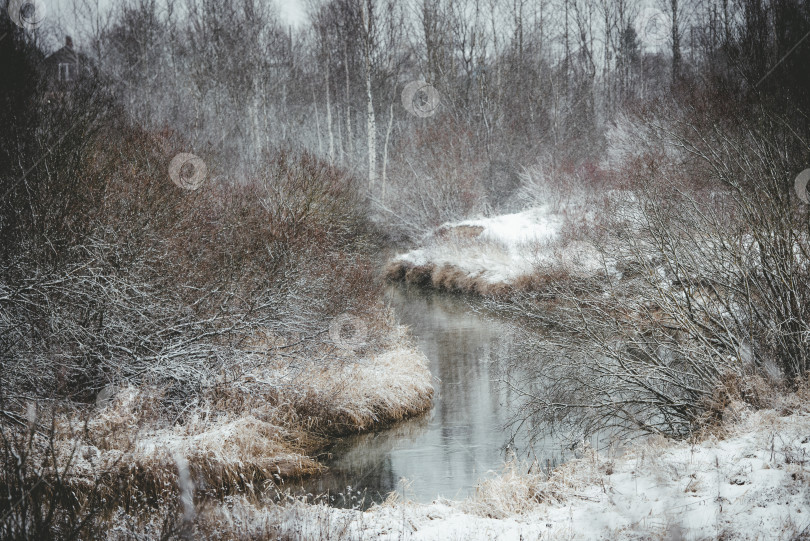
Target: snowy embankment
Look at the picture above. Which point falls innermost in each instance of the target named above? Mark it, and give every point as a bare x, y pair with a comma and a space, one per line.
750, 480
262, 424
489, 254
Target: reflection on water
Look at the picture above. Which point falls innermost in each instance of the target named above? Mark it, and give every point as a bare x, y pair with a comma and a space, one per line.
461, 439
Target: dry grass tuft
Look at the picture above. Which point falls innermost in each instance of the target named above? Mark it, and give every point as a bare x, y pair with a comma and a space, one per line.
225, 454
736, 396
510, 493
395, 271
452, 278
458, 232
130, 410
448, 278
381, 389
420, 275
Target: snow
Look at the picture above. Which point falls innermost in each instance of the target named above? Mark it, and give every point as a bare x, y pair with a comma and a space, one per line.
751, 483
529, 226
501, 249
509, 245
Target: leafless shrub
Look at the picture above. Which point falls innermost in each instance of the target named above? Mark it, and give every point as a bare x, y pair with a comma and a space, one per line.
435, 181
134, 282
713, 289
167, 287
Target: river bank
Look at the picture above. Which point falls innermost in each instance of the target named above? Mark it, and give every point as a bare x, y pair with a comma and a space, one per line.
464, 438
747, 478
261, 427
742, 478
495, 255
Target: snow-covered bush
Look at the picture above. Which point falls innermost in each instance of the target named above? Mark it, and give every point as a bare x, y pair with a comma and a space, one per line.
112, 279
168, 287
712, 289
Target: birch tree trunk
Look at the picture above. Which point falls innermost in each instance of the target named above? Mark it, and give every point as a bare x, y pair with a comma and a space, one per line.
329, 116
341, 147
387, 141
349, 137
317, 122
371, 122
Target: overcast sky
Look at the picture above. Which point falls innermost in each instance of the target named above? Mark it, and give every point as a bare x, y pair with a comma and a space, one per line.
292, 11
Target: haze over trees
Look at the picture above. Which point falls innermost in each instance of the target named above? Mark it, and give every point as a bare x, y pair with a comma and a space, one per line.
518, 82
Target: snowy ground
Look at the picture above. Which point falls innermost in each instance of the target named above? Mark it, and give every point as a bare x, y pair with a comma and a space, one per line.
499, 250
261, 425
753, 482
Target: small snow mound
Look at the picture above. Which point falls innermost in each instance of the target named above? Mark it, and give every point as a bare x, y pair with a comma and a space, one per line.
495, 250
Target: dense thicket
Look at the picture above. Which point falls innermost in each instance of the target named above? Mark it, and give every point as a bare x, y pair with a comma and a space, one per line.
111, 272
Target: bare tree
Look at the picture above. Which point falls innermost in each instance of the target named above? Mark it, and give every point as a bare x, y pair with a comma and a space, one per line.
702, 290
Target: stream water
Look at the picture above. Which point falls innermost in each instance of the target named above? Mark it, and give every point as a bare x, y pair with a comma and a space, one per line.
462, 439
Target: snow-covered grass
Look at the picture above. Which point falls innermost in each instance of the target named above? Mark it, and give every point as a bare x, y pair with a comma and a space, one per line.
262, 426
491, 255
749, 479
483, 253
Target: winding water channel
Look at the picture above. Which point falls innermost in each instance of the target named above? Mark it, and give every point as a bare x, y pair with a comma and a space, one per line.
464, 437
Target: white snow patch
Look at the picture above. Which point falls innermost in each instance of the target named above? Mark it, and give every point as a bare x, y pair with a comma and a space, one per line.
754, 484
509, 245
529, 226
